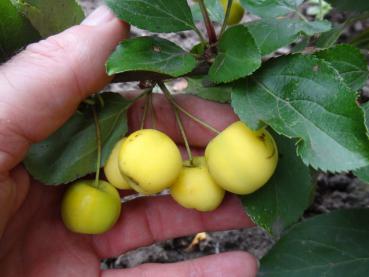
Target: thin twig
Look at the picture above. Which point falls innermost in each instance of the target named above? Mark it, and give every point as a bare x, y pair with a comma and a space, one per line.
183, 133
152, 112
194, 118
98, 145
228, 11
178, 119
146, 107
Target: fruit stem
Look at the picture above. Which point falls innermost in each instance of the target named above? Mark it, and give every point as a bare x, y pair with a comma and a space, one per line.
146, 107
194, 118
101, 100
152, 112
178, 119
183, 133
209, 26
98, 145
228, 11
142, 94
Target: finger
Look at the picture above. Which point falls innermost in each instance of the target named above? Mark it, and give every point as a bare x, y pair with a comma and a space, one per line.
147, 220
42, 86
215, 114
235, 264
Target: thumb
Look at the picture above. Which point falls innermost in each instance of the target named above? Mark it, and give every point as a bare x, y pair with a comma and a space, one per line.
42, 86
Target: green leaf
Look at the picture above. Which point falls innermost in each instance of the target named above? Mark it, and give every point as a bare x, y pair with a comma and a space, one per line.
361, 40
50, 16
329, 245
238, 56
15, 30
198, 49
350, 5
304, 97
163, 16
214, 8
349, 62
329, 38
365, 108
282, 201
363, 174
271, 8
150, 54
70, 152
301, 45
202, 88
271, 34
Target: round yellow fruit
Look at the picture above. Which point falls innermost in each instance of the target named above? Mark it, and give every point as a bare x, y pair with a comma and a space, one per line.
196, 189
150, 161
241, 160
87, 209
236, 13
112, 171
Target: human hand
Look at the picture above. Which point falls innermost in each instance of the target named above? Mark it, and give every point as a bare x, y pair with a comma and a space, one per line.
40, 89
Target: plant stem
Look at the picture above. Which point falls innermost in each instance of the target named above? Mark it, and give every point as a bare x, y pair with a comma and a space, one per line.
98, 144
178, 119
228, 11
208, 24
146, 107
89, 101
101, 100
142, 94
152, 112
183, 133
320, 15
194, 118
302, 16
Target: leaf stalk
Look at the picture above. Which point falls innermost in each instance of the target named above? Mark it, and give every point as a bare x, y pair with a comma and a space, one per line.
228, 12
209, 26
98, 146
178, 119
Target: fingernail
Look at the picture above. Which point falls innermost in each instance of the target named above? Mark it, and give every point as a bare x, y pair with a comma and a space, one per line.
100, 16
258, 263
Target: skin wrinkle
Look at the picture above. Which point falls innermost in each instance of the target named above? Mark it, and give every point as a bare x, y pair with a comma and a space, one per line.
194, 270
149, 223
40, 65
10, 135
51, 50
70, 64
18, 112
5, 77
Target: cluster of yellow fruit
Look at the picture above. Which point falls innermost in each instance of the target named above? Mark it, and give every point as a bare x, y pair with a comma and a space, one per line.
238, 160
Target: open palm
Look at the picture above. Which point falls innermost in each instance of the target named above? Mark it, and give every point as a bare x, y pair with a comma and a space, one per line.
40, 89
